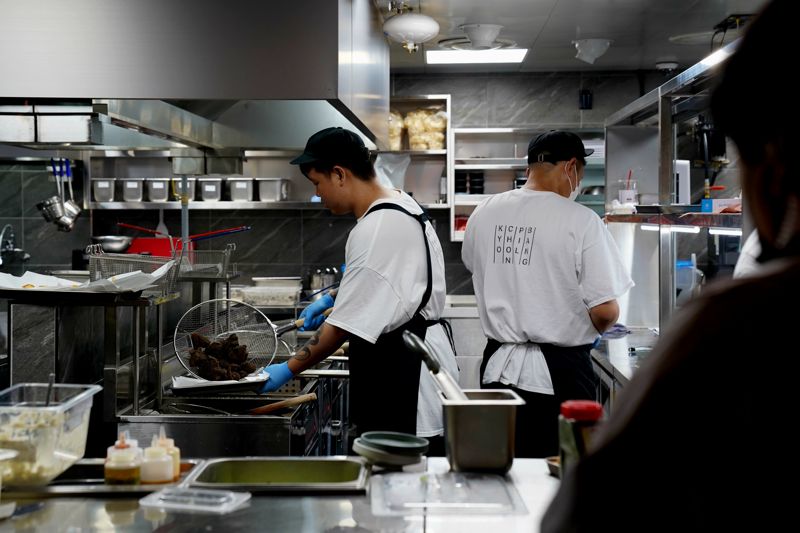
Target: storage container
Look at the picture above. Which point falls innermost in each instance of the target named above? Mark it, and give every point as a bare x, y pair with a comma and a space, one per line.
210, 189
132, 189
103, 189
48, 438
479, 432
240, 189
157, 189
273, 189
177, 190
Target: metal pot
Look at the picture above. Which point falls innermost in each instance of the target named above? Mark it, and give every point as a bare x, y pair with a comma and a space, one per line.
113, 243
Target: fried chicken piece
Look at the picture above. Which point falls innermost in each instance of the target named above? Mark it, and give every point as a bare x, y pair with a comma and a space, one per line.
196, 356
215, 348
247, 367
199, 341
238, 354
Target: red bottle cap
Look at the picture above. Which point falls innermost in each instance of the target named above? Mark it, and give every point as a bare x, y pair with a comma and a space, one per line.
582, 410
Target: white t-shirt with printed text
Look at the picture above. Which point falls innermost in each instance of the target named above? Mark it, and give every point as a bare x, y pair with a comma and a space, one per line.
539, 262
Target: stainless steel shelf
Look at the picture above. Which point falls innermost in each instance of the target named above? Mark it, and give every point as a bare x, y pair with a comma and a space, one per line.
703, 220
414, 152
225, 205
492, 166
207, 205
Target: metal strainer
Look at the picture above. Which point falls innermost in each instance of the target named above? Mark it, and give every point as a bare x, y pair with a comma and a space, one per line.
216, 320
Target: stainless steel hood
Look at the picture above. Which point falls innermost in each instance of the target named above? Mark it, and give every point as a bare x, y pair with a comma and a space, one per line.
203, 73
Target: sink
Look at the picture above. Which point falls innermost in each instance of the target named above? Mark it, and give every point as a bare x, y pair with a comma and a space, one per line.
282, 474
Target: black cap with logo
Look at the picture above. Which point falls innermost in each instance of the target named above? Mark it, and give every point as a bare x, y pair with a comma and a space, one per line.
555, 145
334, 145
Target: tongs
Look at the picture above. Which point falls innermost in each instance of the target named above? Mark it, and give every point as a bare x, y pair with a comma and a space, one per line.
444, 381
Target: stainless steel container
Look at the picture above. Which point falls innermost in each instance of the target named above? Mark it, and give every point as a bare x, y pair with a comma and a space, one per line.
132, 189
273, 189
240, 189
479, 432
157, 189
103, 189
210, 189
177, 189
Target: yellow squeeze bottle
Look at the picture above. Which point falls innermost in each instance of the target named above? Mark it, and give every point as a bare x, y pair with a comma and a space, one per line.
173, 451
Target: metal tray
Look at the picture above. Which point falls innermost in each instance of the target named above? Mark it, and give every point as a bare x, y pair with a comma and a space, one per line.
86, 478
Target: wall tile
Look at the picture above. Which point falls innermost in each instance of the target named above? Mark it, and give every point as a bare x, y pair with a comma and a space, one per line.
10, 193
273, 239
458, 278
47, 245
36, 187
324, 239
468, 99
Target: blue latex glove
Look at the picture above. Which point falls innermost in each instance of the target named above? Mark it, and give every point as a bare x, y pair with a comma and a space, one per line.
313, 313
279, 375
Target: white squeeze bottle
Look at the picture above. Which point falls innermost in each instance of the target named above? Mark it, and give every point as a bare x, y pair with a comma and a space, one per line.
173, 451
157, 464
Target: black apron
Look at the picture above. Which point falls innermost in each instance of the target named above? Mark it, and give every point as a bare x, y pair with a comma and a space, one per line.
384, 377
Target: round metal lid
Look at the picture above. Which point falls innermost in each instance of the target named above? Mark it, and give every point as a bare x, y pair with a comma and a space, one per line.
395, 442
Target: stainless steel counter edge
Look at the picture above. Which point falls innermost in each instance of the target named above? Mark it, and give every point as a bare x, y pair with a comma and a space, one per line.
620, 358
302, 513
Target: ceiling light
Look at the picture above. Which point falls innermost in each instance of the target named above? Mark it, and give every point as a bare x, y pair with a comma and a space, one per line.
444, 57
590, 49
650, 227
410, 29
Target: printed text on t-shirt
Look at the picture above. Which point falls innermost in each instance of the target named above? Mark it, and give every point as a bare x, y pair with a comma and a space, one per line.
513, 245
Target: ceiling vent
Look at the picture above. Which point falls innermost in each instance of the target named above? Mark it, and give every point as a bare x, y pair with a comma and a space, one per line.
478, 37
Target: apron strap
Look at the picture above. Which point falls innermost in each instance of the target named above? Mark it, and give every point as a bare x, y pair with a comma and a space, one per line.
422, 218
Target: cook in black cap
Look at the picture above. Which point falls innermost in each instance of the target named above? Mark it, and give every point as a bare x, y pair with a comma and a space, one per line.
547, 275
394, 282
556, 147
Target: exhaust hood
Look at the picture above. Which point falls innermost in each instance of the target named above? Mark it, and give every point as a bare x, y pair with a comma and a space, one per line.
193, 73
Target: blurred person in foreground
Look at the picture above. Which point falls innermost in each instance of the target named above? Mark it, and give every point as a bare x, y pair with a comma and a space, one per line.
699, 440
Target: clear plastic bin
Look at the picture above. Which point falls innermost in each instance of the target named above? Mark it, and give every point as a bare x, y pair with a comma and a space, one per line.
157, 189
132, 190
48, 439
103, 189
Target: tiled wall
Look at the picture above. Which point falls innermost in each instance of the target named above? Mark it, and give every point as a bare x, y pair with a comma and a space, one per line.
22, 186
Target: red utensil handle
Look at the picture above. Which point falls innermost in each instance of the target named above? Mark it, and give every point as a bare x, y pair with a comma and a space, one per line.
140, 228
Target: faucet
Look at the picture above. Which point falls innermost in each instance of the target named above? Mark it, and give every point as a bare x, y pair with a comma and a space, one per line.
7, 243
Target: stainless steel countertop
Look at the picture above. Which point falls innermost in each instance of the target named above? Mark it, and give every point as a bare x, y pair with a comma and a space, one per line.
617, 359
294, 513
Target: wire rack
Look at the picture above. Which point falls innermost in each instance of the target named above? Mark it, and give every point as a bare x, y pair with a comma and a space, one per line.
104, 265
208, 263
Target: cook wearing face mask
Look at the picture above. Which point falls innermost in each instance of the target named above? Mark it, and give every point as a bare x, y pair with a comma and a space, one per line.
547, 275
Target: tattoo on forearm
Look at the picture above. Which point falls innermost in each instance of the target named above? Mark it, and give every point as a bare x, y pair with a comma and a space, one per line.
305, 352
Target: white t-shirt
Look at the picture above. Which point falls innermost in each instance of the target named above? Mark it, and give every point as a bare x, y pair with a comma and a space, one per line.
383, 285
747, 264
539, 261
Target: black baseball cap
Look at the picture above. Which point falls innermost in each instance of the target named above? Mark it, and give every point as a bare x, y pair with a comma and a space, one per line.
333, 145
556, 145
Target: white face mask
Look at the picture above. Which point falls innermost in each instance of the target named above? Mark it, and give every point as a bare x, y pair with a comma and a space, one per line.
573, 193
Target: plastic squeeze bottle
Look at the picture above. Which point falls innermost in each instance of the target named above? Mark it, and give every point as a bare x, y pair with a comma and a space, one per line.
173, 451
123, 463
157, 464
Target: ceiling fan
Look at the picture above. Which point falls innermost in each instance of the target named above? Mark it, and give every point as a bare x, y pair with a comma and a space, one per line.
478, 36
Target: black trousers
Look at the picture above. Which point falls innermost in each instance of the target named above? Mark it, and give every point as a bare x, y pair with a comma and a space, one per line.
537, 421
